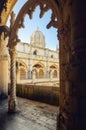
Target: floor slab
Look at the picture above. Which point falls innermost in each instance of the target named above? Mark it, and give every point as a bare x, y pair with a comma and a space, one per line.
31, 115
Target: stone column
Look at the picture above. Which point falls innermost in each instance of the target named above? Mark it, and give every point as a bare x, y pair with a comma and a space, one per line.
65, 82
78, 60
18, 76
73, 69
3, 66
3, 77
12, 105
30, 71
33, 75
51, 74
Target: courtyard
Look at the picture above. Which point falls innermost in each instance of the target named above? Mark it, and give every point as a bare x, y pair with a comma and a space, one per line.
31, 115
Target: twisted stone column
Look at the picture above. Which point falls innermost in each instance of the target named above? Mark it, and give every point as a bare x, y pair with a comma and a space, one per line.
12, 101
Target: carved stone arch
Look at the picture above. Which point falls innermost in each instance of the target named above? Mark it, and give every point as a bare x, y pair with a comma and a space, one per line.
20, 62
29, 8
41, 65
53, 66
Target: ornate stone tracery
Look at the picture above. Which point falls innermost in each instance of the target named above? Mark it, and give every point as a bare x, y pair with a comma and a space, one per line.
29, 8
72, 52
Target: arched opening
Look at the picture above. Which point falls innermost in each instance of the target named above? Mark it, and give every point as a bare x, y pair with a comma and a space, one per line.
55, 74
22, 74
72, 53
39, 70
41, 73
35, 52
20, 24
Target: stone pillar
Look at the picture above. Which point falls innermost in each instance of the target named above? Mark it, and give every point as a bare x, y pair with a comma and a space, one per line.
3, 66
73, 69
51, 74
66, 100
3, 77
33, 75
47, 74
12, 105
78, 60
18, 76
30, 74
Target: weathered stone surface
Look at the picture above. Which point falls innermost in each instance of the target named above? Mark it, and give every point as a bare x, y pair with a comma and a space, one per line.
31, 116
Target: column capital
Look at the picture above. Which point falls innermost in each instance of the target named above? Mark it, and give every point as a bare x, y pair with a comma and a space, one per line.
12, 51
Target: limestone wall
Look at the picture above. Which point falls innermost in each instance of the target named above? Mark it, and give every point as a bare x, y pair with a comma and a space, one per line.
45, 94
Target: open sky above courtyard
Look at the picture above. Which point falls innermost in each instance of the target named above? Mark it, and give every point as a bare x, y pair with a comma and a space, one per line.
32, 24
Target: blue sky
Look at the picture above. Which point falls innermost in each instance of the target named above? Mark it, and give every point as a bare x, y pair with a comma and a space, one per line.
32, 24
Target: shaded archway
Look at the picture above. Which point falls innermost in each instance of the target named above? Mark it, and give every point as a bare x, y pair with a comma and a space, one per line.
72, 60
55, 74
22, 73
39, 70
17, 23
41, 73
29, 8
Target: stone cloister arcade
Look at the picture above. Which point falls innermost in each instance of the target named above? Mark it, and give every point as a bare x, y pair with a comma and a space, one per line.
70, 18
37, 72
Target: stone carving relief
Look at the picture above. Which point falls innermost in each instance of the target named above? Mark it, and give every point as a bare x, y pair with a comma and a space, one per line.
3, 5
14, 39
3, 48
29, 8
4, 32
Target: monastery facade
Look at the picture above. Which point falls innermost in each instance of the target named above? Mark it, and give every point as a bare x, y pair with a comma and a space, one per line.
36, 63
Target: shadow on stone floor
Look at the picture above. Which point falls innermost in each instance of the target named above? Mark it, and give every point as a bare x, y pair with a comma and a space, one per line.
32, 116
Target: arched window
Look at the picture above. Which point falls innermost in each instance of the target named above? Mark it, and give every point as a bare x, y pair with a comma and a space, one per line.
51, 56
54, 74
35, 52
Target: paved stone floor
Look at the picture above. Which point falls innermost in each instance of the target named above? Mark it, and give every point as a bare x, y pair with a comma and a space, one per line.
31, 116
